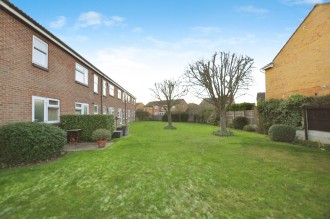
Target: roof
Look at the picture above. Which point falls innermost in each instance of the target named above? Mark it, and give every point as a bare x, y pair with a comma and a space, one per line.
6, 5
161, 103
270, 65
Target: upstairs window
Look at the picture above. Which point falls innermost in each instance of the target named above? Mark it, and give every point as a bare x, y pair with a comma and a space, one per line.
81, 108
119, 94
40, 52
81, 74
45, 110
111, 90
104, 88
96, 84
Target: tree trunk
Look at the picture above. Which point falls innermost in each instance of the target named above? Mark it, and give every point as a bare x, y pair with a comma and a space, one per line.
223, 126
169, 118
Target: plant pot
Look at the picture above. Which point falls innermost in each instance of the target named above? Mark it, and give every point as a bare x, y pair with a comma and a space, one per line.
101, 144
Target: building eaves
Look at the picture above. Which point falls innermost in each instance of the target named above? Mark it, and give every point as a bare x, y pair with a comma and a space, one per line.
316, 5
42, 30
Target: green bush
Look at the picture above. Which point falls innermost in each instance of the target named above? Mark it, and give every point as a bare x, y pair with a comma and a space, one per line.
101, 135
239, 122
249, 128
88, 124
282, 133
28, 142
176, 117
241, 106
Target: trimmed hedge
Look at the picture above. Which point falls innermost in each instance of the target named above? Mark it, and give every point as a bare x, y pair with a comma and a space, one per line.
239, 122
249, 128
88, 124
282, 133
241, 106
27, 142
177, 117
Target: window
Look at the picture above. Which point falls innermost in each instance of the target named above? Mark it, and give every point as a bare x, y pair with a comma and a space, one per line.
81, 74
40, 52
129, 115
96, 109
45, 110
120, 116
104, 110
111, 110
119, 94
81, 108
111, 90
104, 88
96, 84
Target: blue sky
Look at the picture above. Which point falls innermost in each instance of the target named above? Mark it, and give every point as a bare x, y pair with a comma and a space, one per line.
140, 42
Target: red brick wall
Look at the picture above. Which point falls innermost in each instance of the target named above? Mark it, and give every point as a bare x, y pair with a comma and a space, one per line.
20, 80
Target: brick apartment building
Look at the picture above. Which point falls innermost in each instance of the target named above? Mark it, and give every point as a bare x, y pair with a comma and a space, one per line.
42, 78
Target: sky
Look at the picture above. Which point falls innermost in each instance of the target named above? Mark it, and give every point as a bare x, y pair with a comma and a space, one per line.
141, 42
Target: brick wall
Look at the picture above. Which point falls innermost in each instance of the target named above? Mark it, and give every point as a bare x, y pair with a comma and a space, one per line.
20, 79
303, 65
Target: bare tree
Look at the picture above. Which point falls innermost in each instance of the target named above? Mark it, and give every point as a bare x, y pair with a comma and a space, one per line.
220, 79
169, 92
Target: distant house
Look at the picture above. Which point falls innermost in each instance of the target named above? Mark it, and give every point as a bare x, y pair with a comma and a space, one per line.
302, 65
207, 104
156, 108
139, 106
42, 78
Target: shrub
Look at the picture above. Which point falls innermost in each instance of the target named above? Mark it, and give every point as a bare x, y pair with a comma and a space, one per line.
142, 115
27, 142
176, 117
241, 106
282, 133
239, 122
249, 128
101, 135
88, 124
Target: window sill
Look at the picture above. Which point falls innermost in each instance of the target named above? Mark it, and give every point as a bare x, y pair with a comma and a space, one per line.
40, 67
86, 85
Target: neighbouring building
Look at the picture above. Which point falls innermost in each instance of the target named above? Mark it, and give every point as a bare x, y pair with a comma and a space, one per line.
302, 65
42, 78
156, 108
139, 106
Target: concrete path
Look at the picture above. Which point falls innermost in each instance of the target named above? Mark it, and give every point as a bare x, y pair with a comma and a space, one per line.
84, 146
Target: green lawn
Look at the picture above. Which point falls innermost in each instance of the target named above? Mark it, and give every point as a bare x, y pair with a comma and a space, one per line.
182, 173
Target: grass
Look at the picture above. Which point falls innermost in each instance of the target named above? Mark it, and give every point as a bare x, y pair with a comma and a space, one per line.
182, 173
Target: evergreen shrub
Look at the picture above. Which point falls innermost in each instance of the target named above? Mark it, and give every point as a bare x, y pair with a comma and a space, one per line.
239, 122
282, 133
28, 142
88, 124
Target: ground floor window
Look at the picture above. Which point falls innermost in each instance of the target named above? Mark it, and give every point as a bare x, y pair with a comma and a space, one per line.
120, 116
104, 110
81, 108
96, 109
111, 110
45, 109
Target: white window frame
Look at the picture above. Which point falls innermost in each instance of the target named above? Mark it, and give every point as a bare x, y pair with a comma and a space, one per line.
111, 110
120, 116
37, 50
96, 109
104, 87
96, 83
119, 94
81, 108
46, 107
111, 90
81, 70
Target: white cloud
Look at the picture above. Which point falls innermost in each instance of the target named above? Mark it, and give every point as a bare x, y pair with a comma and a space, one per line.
206, 29
58, 23
95, 19
137, 30
252, 9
